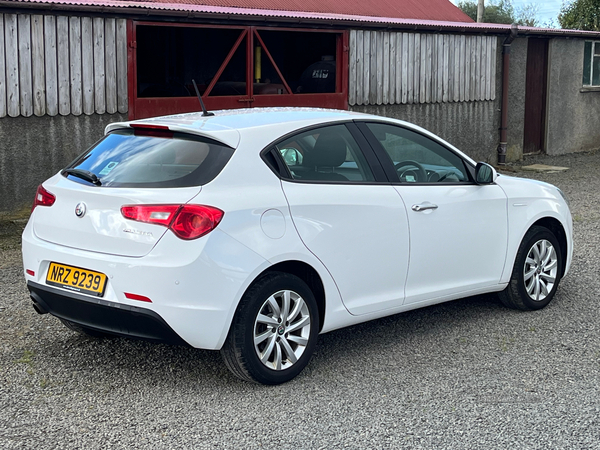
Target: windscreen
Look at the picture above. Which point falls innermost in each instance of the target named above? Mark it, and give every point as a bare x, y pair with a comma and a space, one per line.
127, 159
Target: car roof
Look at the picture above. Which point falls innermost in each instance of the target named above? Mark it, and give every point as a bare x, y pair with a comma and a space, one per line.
227, 126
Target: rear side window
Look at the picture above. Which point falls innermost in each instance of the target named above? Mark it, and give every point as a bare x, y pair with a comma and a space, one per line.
325, 154
125, 159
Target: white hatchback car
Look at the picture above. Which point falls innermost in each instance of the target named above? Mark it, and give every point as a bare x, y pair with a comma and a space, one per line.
252, 231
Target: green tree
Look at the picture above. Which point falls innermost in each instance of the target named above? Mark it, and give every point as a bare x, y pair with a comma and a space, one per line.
502, 11
580, 15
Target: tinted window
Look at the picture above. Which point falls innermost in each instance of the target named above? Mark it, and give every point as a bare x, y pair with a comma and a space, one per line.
123, 159
325, 154
418, 159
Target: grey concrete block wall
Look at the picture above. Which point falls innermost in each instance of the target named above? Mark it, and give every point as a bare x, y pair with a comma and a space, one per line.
516, 99
34, 148
573, 116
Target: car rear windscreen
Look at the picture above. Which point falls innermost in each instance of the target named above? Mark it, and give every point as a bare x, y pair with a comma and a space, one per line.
127, 159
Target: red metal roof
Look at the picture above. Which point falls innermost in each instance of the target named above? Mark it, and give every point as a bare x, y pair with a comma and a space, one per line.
154, 7
404, 9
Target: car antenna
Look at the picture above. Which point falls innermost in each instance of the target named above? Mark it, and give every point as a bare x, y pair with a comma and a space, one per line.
204, 111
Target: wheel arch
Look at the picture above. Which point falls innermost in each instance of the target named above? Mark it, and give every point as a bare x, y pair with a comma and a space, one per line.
556, 227
307, 274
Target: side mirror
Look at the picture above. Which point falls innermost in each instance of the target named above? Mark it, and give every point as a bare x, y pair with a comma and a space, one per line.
485, 174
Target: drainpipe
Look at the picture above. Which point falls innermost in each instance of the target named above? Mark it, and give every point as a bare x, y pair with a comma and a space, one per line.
514, 30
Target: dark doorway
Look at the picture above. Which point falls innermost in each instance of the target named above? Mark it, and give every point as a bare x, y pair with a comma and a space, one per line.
535, 96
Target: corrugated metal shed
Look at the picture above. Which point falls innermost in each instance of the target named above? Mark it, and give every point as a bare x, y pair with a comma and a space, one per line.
154, 7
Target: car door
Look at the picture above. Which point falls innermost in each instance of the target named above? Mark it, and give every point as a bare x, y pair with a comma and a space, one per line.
458, 229
348, 215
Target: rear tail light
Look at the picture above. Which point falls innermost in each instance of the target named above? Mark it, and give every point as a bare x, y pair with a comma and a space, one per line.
43, 198
186, 221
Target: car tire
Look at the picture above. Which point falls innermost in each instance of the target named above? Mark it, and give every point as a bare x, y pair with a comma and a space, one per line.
274, 330
84, 330
536, 273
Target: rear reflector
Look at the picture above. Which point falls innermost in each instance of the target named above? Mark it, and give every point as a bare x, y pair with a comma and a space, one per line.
186, 221
141, 298
43, 198
30, 272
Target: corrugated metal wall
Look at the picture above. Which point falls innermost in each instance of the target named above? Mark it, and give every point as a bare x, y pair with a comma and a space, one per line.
62, 65
405, 68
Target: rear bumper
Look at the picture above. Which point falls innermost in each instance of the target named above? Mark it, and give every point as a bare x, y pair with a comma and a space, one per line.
109, 317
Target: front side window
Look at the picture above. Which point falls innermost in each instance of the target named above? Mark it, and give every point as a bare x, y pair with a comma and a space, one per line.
325, 154
591, 64
418, 159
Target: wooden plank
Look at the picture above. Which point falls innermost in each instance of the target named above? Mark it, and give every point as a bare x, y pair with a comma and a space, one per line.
446, 64
461, 66
37, 65
483, 66
122, 100
467, 68
423, 71
110, 55
99, 65
399, 63
360, 54
87, 65
493, 68
451, 68
75, 65
50, 64
2, 70
62, 51
352, 68
440, 69
406, 65
393, 67
385, 90
477, 53
25, 75
413, 76
11, 43
366, 67
429, 68
456, 86
488, 71
373, 70
472, 65
379, 47
456, 94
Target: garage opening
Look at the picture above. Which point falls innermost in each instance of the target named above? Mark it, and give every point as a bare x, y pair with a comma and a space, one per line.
234, 67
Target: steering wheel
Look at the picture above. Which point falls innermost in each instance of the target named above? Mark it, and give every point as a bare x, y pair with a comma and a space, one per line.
421, 175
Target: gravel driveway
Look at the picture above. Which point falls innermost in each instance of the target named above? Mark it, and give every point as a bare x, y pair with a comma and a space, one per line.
469, 374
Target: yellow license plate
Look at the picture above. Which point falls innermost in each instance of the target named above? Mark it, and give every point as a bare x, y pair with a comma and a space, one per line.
76, 279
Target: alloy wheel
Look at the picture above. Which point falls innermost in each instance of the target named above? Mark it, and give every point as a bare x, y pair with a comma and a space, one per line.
282, 330
540, 271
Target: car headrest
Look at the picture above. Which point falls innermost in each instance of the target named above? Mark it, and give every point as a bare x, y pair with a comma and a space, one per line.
329, 151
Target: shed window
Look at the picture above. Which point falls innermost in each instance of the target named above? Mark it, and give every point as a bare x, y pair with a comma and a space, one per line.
591, 64
234, 67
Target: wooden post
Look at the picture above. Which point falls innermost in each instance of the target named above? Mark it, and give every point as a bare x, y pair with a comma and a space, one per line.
480, 9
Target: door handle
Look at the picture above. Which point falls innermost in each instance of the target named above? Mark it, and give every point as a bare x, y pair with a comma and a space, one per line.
424, 207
